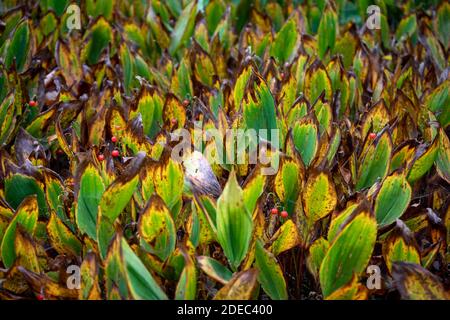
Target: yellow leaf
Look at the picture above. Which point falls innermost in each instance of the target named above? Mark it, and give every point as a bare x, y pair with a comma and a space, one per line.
240, 287
319, 196
286, 238
351, 291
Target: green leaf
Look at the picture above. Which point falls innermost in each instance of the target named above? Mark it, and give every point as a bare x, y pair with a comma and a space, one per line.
203, 66
242, 10
436, 50
141, 283
168, 177
115, 278
270, 274
392, 199
285, 43
210, 209
400, 245
19, 186
442, 160
68, 61
193, 227
406, 28
59, 6
288, 94
375, 119
442, 23
385, 32
184, 27
97, 39
339, 219
214, 269
241, 84
334, 145
62, 238
324, 115
89, 195
187, 285
142, 68
105, 233
259, 108
253, 189
202, 39
288, 184
157, 228
424, 160
116, 197
346, 46
438, 101
402, 156
150, 106
234, 222
214, 12
316, 82
317, 252
128, 68
53, 192
95, 8
181, 81
26, 217
328, 29
375, 162
18, 51
4, 89
7, 118
38, 127
48, 24
349, 253
306, 139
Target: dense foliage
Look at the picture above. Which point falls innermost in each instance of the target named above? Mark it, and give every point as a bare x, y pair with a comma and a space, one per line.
87, 178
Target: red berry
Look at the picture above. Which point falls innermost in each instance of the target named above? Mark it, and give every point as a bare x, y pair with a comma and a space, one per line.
284, 214
59, 152
185, 102
40, 297
114, 139
174, 121
282, 75
101, 157
32, 103
115, 153
372, 135
274, 211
